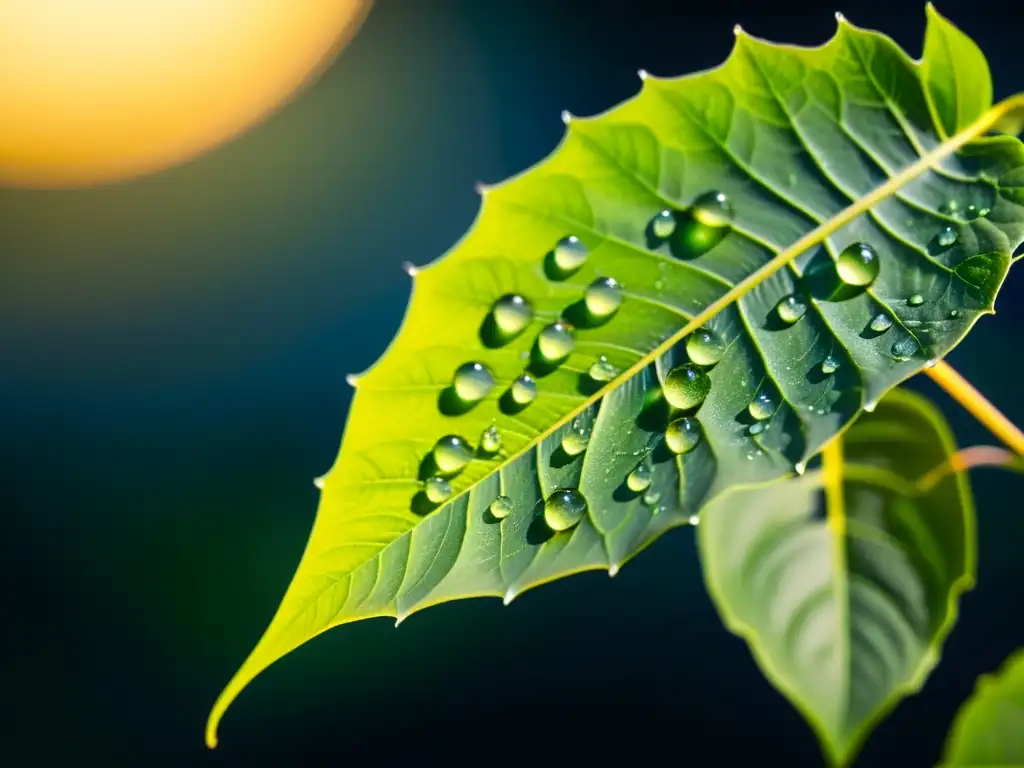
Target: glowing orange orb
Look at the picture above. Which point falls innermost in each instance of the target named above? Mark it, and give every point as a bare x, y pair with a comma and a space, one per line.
98, 90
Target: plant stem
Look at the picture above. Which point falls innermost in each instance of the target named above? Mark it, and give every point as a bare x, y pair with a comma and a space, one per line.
968, 458
977, 405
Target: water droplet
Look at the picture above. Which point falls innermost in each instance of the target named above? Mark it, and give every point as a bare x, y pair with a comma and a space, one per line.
712, 209
858, 264
602, 370
971, 212
881, 323
501, 507
954, 313
570, 254
490, 440
437, 489
473, 382
870, 407
651, 497
564, 508
763, 405
693, 520
512, 313
905, 348
523, 389
640, 478
319, 482
686, 386
946, 238
683, 435
756, 428
800, 467
664, 224
829, 365
576, 439
451, 454
705, 347
791, 308
555, 342
659, 284
603, 297
916, 300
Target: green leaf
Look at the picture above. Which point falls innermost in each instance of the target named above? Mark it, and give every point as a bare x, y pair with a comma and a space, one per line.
846, 614
959, 87
815, 149
989, 729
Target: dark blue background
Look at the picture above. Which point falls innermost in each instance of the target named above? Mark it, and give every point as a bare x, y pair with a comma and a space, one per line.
171, 380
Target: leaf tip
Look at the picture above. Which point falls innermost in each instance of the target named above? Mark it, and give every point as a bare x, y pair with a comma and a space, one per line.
352, 379
409, 268
509, 596
693, 520
480, 188
643, 74
800, 467
399, 619
613, 570
840, 18
566, 116
737, 30
319, 482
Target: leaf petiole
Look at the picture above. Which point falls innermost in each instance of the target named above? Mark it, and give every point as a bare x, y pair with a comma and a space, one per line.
977, 405
970, 458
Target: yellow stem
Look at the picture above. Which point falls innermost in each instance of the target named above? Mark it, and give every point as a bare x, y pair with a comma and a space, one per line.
977, 405
832, 479
968, 458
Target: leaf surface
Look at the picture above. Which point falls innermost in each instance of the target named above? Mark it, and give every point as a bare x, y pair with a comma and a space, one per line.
795, 138
845, 613
989, 729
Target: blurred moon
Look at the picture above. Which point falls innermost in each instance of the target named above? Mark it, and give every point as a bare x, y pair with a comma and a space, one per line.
93, 91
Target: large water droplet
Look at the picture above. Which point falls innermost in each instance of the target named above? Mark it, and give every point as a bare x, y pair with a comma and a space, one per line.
555, 342
602, 370
858, 264
763, 405
829, 365
881, 323
705, 347
490, 440
683, 435
905, 348
640, 478
705, 225
686, 386
564, 508
663, 225
791, 308
570, 254
916, 300
712, 209
576, 438
473, 382
501, 507
512, 313
523, 389
437, 489
451, 454
603, 297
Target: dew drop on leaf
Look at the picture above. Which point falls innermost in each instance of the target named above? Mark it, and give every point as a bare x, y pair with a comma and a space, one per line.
575, 441
686, 386
490, 440
693, 520
858, 264
437, 489
683, 435
512, 313
790, 309
570, 254
524, 389
651, 497
640, 478
946, 237
705, 225
501, 507
603, 297
829, 365
705, 347
954, 313
881, 323
555, 342
756, 428
602, 370
473, 382
564, 508
663, 225
451, 454
713, 209
905, 348
763, 405
916, 300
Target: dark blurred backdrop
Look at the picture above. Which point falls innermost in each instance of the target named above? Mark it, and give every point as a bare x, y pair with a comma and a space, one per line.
172, 361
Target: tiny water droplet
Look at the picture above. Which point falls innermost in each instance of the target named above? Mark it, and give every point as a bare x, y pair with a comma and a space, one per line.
693, 520
576, 439
870, 407
829, 365
905, 348
800, 467
319, 482
791, 308
763, 405
947, 237
705, 347
501, 507
683, 435
664, 224
916, 300
602, 370
523, 389
756, 428
881, 323
686, 386
603, 297
570, 254
512, 313
437, 489
971, 212
555, 342
490, 440
564, 508
640, 478
451, 454
651, 497
713, 209
858, 264
473, 382
954, 313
